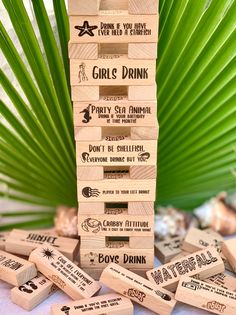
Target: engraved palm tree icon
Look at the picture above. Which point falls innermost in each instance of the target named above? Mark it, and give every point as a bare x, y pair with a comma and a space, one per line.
88, 192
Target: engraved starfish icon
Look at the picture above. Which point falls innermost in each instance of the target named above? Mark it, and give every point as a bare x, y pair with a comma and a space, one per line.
86, 29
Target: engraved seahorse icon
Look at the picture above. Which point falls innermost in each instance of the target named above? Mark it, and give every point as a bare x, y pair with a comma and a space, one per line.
82, 75
87, 116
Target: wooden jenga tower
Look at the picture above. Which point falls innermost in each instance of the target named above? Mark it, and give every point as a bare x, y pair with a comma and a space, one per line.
113, 51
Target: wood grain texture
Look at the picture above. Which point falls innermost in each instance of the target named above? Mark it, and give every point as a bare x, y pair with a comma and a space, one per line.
113, 26
141, 241
143, 7
229, 251
83, 51
203, 263
15, 270
138, 289
223, 280
111, 69
22, 242
64, 273
112, 304
33, 292
168, 249
142, 50
115, 111
81, 7
206, 296
90, 172
96, 273
142, 92
85, 93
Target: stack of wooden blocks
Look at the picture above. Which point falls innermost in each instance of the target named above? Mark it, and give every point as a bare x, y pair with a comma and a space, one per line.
113, 51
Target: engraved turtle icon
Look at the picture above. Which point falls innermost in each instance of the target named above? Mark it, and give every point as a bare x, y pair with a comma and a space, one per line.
87, 116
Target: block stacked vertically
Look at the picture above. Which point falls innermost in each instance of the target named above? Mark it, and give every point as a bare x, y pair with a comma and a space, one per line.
113, 51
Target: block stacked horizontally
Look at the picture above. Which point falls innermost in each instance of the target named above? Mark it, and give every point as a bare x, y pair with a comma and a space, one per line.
113, 51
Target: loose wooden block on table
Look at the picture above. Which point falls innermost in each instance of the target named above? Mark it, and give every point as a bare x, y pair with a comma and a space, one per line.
97, 257
204, 264
182, 254
3, 236
223, 280
115, 111
112, 70
206, 296
98, 133
113, 304
33, 292
229, 250
112, 190
168, 249
116, 151
23, 242
114, 26
64, 273
117, 222
138, 289
15, 270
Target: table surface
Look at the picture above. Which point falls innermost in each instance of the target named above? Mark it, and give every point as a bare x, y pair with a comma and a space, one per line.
7, 307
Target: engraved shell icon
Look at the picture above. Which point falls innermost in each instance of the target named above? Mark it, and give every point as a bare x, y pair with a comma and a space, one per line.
89, 192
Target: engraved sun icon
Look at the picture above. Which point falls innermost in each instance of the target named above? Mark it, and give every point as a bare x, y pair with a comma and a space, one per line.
48, 253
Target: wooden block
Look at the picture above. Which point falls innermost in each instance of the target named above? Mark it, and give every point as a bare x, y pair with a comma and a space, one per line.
197, 239
96, 273
223, 280
142, 51
81, 7
149, 133
118, 222
168, 249
119, 253
33, 292
144, 208
142, 92
93, 241
64, 273
116, 151
112, 70
115, 111
138, 289
206, 296
111, 190
3, 236
23, 242
83, 51
143, 7
141, 242
113, 304
182, 254
205, 263
88, 133
90, 172
143, 172
91, 207
15, 270
114, 26
229, 250
85, 93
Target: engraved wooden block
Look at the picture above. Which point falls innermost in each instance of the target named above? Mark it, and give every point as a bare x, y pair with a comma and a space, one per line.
3, 236
138, 289
204, 264
206, 296
98, 133
143, 7
15, 270
96, 273
229, 250
64, 273
85, 93
134, 208
23, 242
112, 70
115, 111
116, 151
83, 51
197, 239
168, 249
115, 222
114, 26
142, 50
223, 280
33, 292
111, 190
113, 304
118, 252
142, 92
182, 254
81, 7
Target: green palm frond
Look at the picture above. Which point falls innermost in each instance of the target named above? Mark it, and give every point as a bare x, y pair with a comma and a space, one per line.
196, 105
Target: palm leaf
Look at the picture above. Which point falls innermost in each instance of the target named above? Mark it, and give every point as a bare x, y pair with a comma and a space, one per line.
196, 106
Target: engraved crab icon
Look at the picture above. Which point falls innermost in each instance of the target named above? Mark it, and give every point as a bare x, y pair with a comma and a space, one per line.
92, 225
89, 192
48, 253
65, 309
